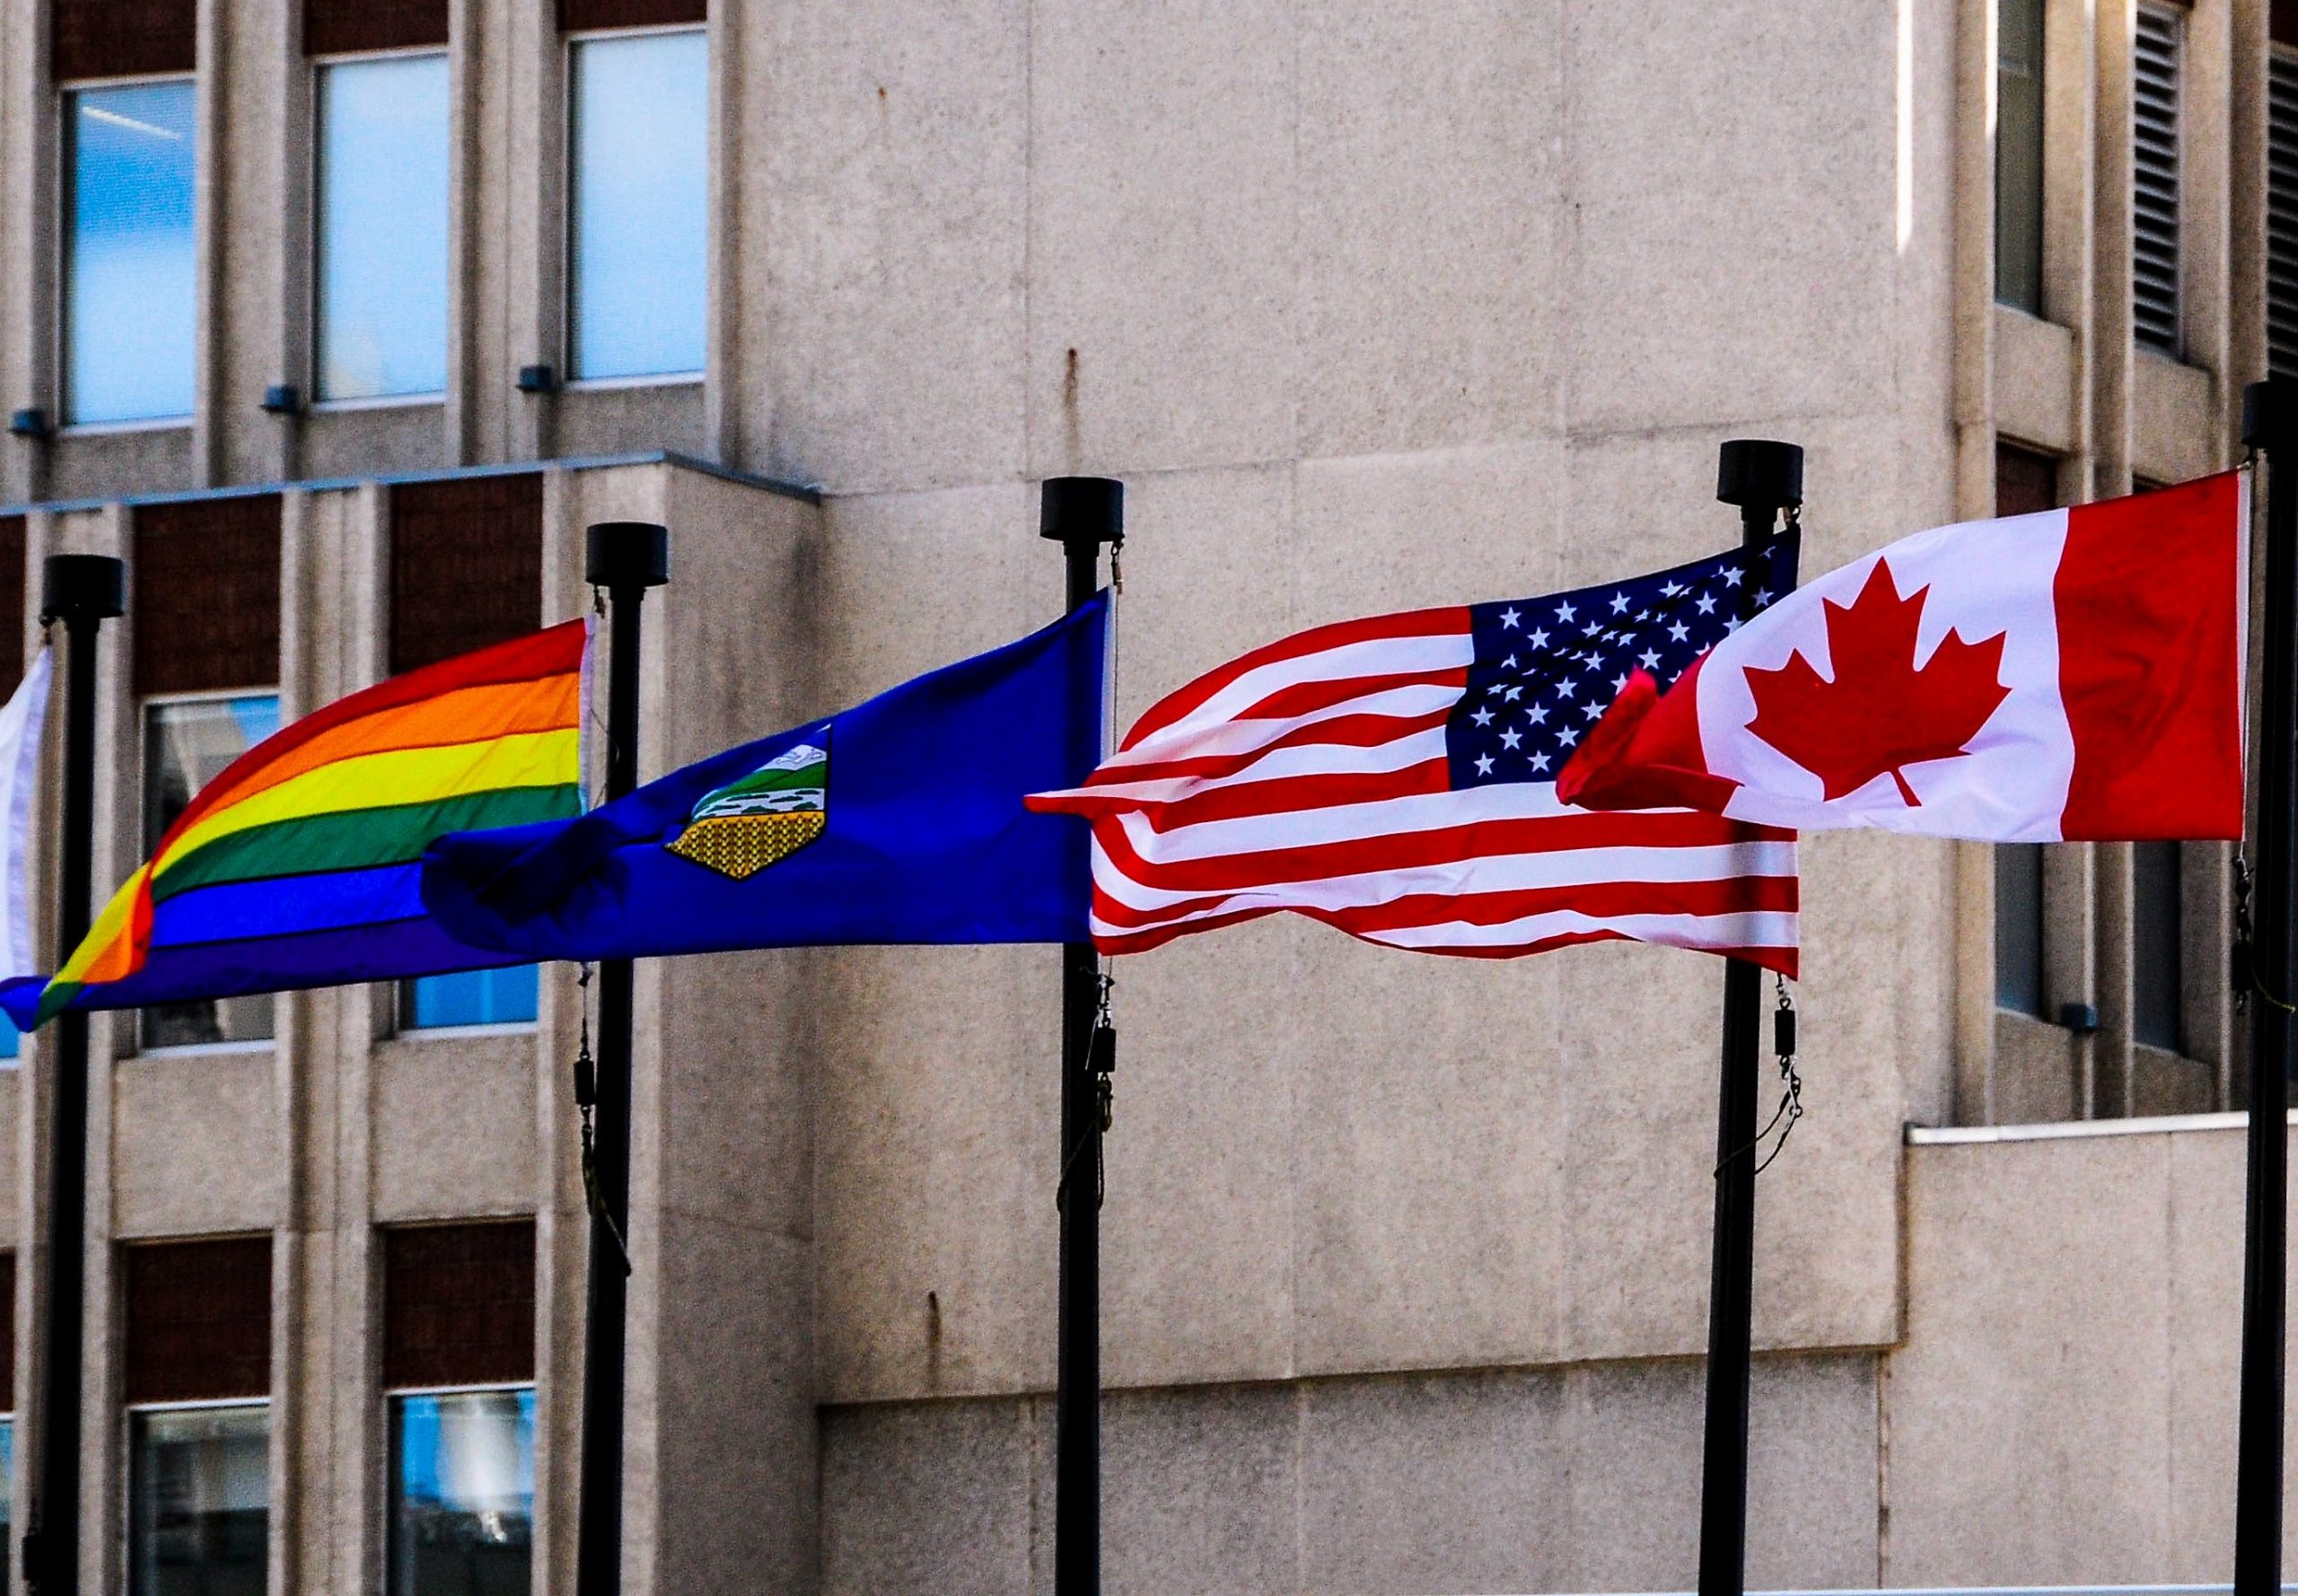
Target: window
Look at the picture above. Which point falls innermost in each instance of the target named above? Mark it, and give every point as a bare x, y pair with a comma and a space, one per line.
458, 1314
383, 228
637, 204
186, 744
2019, 155
2281, 207
196, 1373
2157, 964
7, 1391
128, 312
2019, 928
471, 997
2155, 217
198, 1508
462, 1492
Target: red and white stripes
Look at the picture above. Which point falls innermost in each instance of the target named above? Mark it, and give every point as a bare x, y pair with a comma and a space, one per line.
1312, 776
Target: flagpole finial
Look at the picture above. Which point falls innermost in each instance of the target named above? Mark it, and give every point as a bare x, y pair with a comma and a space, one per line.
2270, 413
1088, 510
626, 554
1759, 473
82, 587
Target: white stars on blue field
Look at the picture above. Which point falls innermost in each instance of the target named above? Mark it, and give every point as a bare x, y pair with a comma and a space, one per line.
1514, 721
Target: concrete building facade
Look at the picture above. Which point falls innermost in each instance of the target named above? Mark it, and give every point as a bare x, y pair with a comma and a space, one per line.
1371, 307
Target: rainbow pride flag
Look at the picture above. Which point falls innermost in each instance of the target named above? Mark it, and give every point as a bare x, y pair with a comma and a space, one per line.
299, 865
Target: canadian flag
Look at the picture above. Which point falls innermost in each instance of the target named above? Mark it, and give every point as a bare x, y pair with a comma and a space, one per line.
2072, 675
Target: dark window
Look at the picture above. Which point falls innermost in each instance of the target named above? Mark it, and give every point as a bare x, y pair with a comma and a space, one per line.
466, 565
122, 37
574, 16
205, 609
459, 1304
198, 1319
2025, 482
11, 602
7, 1335
337, 27
2156, 89
2019, 927
2019, 155
2157, 957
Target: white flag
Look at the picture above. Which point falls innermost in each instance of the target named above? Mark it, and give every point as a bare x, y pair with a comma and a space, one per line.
20, 728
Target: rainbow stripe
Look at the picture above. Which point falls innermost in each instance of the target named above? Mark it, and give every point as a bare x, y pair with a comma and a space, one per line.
300, 864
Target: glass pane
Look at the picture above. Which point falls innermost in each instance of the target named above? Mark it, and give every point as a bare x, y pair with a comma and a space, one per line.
2157, 964
12, 1041
2019, 155
128, 315
7, 1475
462, 1494
186, 746
2019, 927
383, 227
471, 997
199, 1495
639, 204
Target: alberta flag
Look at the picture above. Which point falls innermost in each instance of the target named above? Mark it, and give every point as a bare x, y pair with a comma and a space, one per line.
2075, 674
899, 820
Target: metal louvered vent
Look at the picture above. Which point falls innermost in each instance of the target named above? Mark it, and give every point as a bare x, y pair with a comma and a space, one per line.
2282, 214
2154, 178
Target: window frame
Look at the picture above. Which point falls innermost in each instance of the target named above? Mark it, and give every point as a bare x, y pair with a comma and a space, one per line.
313, 349
145, 703
568, 43
59, 311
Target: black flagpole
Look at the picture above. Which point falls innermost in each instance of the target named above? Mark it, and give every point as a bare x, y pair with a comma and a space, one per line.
624, 557
82, 591
2269, 416
1762, 478
1081, 514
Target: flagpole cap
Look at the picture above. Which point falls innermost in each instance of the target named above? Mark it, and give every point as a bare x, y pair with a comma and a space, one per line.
2270, 413
1082, 510
82, 587
626, 554
1759, 473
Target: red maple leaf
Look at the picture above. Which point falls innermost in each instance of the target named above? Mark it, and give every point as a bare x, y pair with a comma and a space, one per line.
1879, 714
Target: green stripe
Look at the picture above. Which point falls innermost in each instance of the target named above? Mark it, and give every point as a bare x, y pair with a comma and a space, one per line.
54, 1001
356, 839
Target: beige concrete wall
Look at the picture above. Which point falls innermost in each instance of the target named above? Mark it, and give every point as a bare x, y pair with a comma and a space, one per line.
1578, 1479
2063, 1409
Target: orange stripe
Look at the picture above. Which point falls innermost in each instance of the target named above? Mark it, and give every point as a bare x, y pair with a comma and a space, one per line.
466, 714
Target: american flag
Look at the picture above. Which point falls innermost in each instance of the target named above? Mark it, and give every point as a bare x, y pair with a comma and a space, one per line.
1395, 777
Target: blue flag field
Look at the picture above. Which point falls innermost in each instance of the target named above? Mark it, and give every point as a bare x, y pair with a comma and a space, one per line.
897, 822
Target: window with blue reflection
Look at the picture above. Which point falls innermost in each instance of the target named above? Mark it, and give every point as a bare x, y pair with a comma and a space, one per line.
12, 1041
463, 1492
471, 997
128, 312
638, 205
383, 227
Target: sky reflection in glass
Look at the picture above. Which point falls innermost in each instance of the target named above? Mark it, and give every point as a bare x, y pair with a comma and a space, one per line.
128, 315
383, 228
637, 178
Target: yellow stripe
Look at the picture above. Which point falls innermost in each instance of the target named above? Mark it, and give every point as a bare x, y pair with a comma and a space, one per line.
108, 953
401, 775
